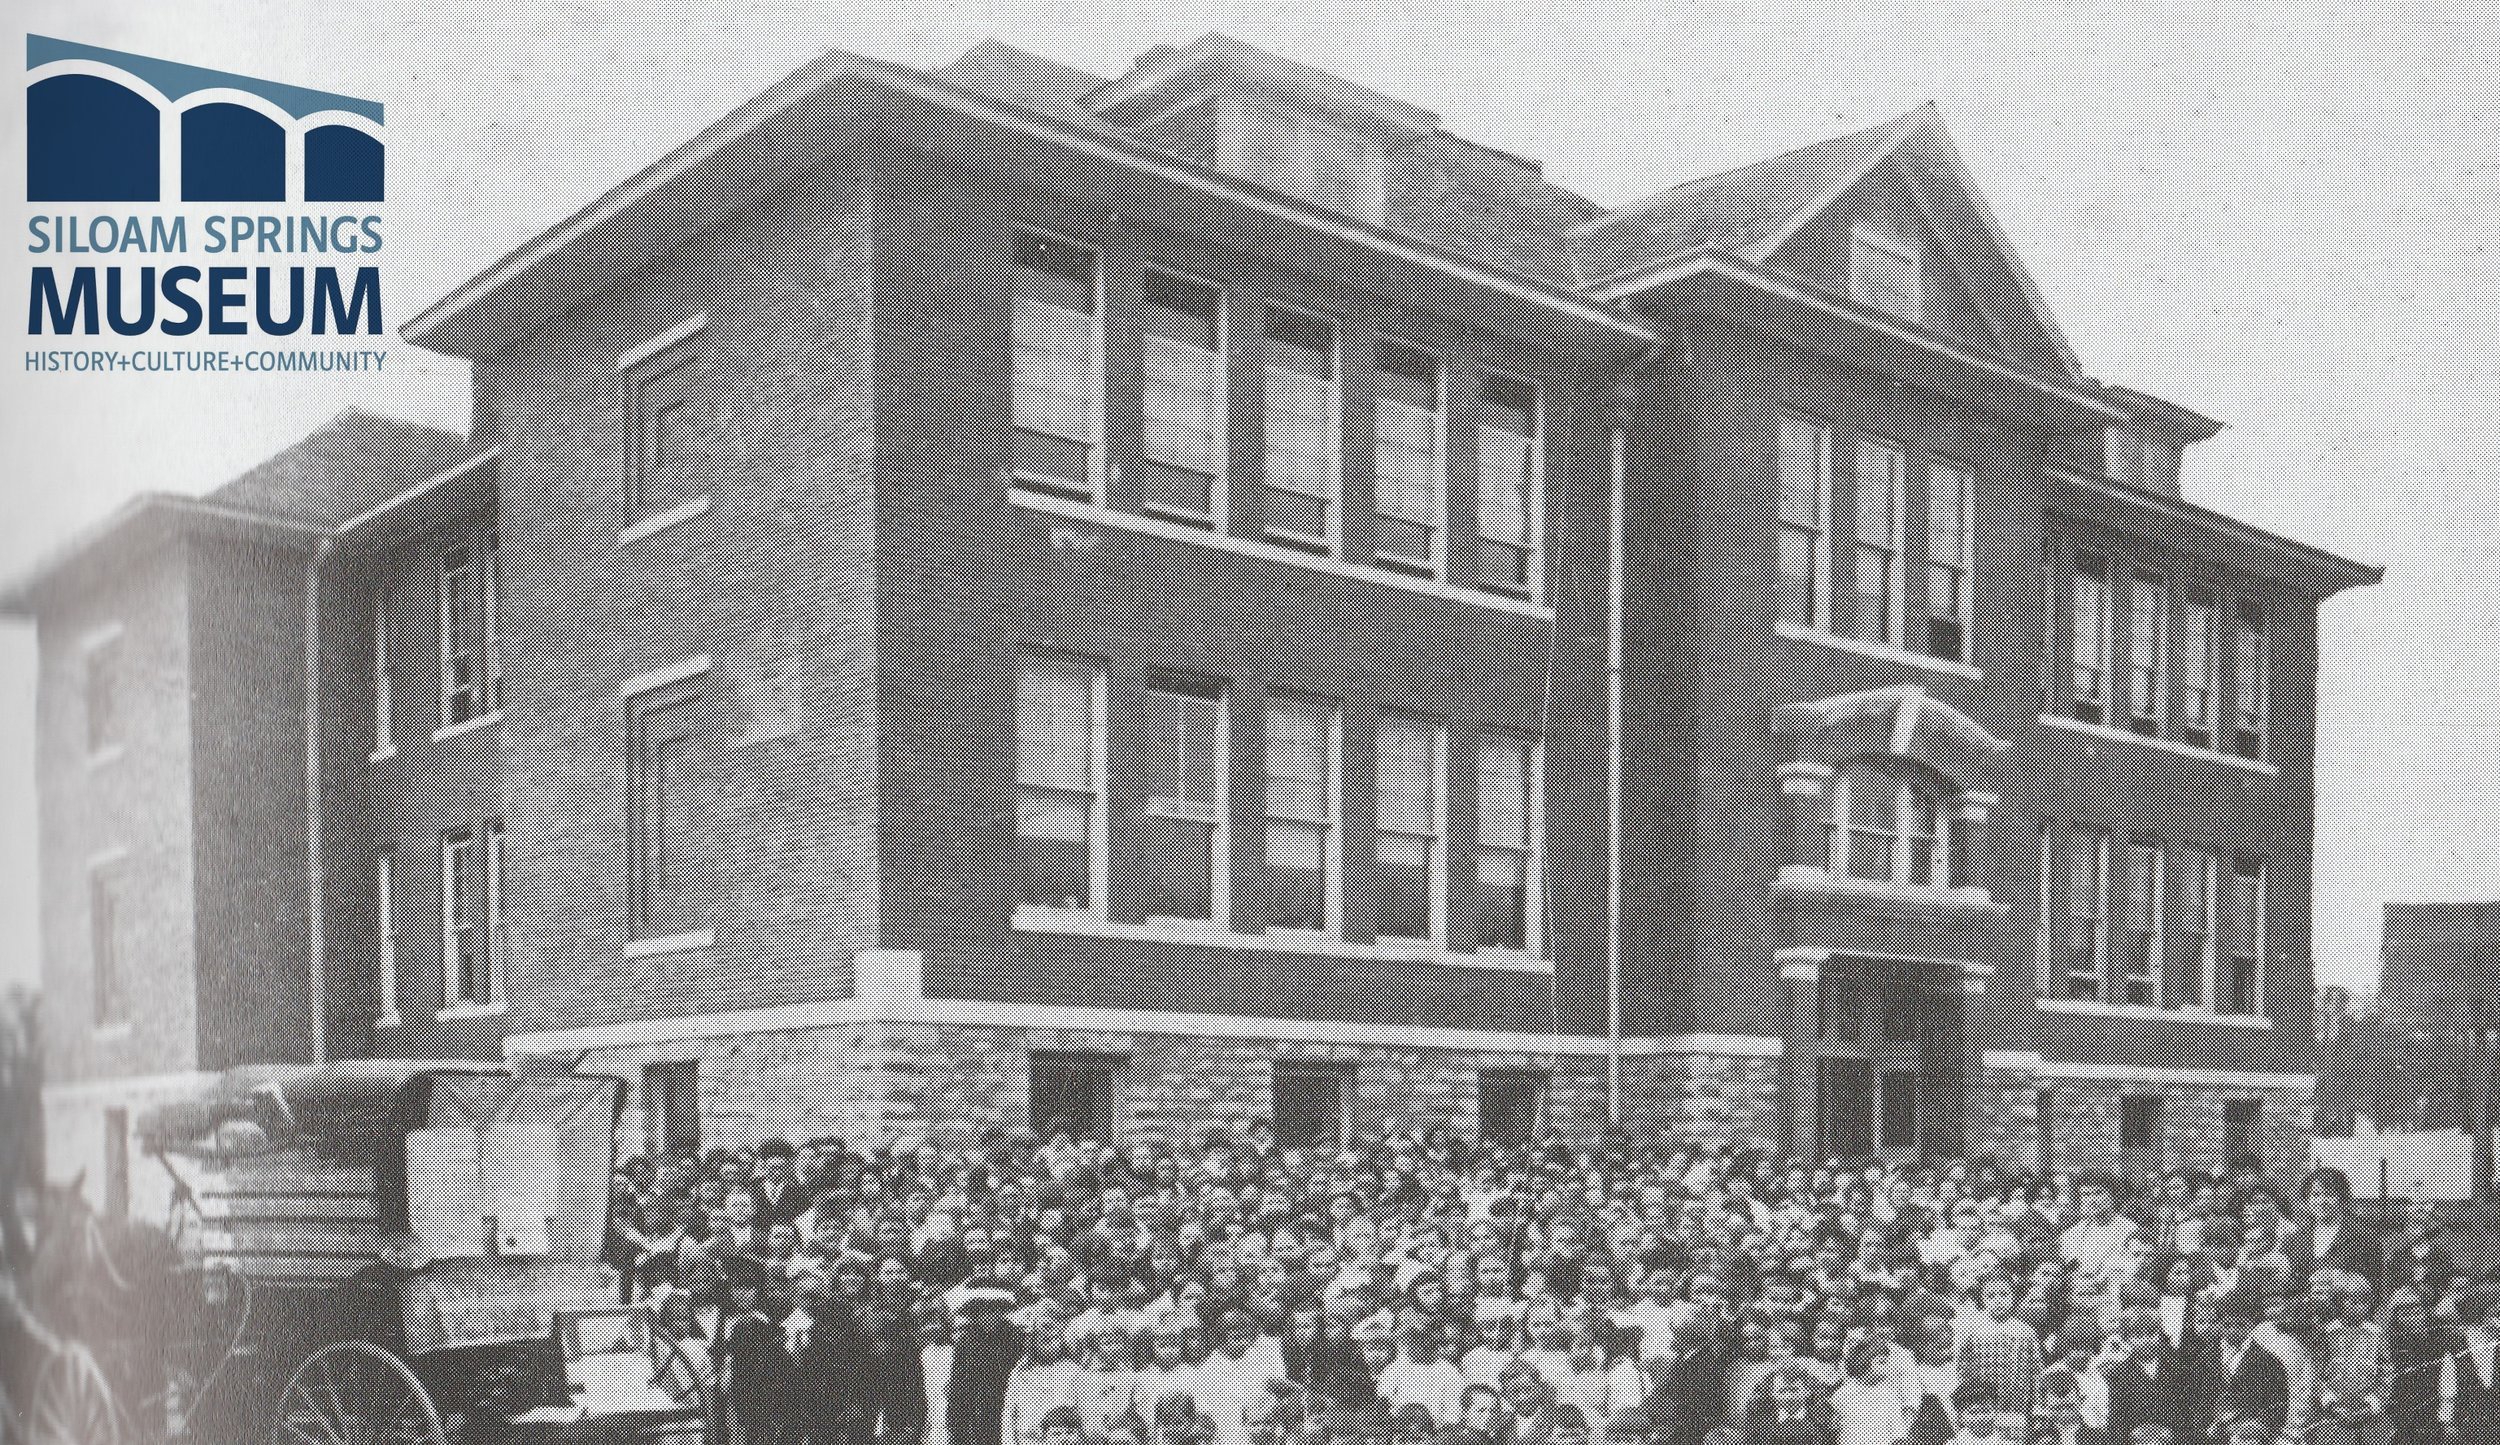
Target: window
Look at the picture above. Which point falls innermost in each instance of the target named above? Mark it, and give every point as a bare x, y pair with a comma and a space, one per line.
103, 687
1884, 272
1407, 478
1509, 486
1305, 451
104, 941
2089, 638
664, 405
1805, 523
1057, 406
386, 937
2142, 975
1886, 826
464, 945
1303, 751
672, 1111
2139, 1123
1950, 541
2248, 726
2192, 963
1310, 1107
2148, 652
1184, 393
498, 937
2200, 665
1881, 471
1073, 1094
1896, 1123
1510, 1105
667, 789
472, 654
1304, 156
2086, 942
1408, 821
383, 736
117, 1163
1841, 1001
1059, 770
2239, 1127
2243, 980
1189, 843
1506, 844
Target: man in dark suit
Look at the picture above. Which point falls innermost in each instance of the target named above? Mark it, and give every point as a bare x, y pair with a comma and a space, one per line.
2145, 1388
2241, 1380
779, 1196
2333, 1238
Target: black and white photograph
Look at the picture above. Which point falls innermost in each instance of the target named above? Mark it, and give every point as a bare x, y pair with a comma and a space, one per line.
741, 722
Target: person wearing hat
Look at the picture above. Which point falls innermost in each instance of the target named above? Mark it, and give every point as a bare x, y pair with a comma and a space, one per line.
988, 1347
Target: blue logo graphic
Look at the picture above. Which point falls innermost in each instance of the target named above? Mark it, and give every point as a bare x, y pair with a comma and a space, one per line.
105, 125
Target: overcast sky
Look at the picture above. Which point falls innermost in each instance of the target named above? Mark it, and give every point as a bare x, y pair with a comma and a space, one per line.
2280, 215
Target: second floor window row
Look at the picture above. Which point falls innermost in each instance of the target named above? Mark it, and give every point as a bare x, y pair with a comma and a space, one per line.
2140, 922
1886, 593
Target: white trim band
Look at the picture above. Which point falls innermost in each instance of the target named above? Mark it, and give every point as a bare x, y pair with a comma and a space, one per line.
691, 942
2094, 1008
2032, 1063
660, 677
692, 326
658, 522
482, 720
1881, 651
1201, 935
2165, 745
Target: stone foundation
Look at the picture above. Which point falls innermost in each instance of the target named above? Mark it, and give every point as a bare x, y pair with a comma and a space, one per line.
2085, 1113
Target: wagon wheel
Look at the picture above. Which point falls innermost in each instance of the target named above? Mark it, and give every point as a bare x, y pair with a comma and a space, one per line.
74, 1402
681, 1377
350, 1393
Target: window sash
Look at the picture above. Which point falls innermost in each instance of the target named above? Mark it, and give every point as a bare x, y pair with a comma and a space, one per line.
2089, 638
461, 681
2200, 667
2148, 650
1060, 743
2245, 926
1887, 829
2086, 942
460, 928
667, 802
2143, 899
2195, 971
1304, 456
1884, 274
497, 934
1508, 839
383, 735
2249, 698
1184, 409
1188, 767
1950, 543
1805, 468
1881, 474
1407, 823
1302, 815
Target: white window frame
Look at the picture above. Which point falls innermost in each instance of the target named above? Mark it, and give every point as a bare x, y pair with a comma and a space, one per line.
1215, 816
1900, 840
1098, 866
2207, 671
490, 616
386, 937
2206, 865
1097, 469
457, 646
1894, 546
1964, 493
2158, 686
2104, 621
459, 845
1819, 552
1332, 542
1331, 823
1866, 237
2252, 668
1436, 565
1532, 858
1535, 543
2152, 973
385, 737
2044, 944
2099, 917
1436, 844
497, 936
2257, 941
1218, 362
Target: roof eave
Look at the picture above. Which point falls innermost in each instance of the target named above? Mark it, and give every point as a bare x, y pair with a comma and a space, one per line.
22, 596
2329, 572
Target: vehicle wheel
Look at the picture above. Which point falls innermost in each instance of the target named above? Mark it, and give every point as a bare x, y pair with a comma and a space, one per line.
680, 1375
74, 1402
351, 1393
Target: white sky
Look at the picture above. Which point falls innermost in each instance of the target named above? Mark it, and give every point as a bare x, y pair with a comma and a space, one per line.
2280, 215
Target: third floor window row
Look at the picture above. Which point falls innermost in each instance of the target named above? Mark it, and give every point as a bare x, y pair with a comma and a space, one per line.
1896, 567
2163, 658
1425, 517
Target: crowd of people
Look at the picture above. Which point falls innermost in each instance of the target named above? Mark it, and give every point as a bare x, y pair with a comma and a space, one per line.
1422, 1289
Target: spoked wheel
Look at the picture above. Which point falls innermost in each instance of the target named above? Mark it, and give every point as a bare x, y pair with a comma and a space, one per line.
351, 1393
679, 1375
74, 1402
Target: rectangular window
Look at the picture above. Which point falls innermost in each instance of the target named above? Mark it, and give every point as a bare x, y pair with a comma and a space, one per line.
490, 616
471, 656
1950, 543
2148, 652
2139, 1123
2200, 665
664, 408
1304, 436
102, 688
1805, 523
1884, 273
2086, 941
1073, 1094
2248, 725
1897, 1115
1506, 844
1057, 405
2192, 961
2143, 893
1184, 400
2239, 1128
386, 936
1059, 770
2044, 945
1303, 751
104, 941
672, 1110
498, 935
383, 736
1510, 1106
1310, 1107
1510, 484
1407, 770
464, 944
2088, 638
2243, 980
1881, 474
666, 747
1186, 811
1408, 480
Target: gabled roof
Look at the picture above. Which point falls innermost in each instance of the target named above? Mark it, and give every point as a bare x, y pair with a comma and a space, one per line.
341, 468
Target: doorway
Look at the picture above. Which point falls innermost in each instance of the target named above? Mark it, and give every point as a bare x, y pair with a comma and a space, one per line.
1888, 1068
